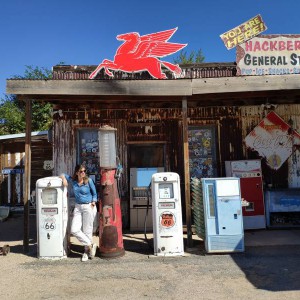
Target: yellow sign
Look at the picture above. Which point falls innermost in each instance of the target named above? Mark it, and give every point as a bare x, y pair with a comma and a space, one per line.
243, 32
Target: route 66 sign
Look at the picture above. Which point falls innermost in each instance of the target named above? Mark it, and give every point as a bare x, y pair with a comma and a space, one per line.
49, 224
167, 219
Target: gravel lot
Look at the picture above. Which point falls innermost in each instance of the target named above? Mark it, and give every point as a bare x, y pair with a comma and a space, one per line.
270, 272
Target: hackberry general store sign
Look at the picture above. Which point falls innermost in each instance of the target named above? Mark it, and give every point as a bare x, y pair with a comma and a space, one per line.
269, 55
273, 139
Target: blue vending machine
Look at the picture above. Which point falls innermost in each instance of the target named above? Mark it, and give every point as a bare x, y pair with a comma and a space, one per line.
223, 214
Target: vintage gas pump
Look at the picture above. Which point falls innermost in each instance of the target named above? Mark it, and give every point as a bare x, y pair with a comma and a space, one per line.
110, 223
167, 214
52, 211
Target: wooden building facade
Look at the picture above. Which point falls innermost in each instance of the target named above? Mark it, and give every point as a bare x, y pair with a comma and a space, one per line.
157, 120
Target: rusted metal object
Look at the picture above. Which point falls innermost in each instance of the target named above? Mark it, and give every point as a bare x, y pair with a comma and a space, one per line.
4, 250
110, 223
202, 70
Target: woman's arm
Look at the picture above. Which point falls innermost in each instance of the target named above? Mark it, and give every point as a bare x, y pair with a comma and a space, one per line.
64, 179
93, 190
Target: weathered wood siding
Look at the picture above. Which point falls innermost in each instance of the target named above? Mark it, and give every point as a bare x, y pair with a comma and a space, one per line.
142, 126
12, 186
163, 125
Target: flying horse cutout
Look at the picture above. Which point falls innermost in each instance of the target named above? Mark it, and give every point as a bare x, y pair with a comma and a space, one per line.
141, 53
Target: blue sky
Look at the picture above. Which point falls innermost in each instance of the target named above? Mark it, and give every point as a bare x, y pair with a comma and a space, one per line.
77, 32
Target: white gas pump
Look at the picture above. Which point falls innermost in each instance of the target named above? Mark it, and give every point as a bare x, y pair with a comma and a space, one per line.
52, 218
167, 214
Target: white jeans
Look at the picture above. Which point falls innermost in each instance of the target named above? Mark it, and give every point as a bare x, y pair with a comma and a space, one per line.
82, 223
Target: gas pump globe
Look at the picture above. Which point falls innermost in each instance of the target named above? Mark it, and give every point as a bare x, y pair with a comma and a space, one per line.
107, 147
110, 223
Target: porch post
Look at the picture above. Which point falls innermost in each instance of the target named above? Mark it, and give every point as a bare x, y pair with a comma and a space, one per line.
27, 176
186, 173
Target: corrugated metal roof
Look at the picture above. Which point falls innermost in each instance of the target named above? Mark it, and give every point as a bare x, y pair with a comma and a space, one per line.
22, 135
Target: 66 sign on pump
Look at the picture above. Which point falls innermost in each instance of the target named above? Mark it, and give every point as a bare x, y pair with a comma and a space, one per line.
167, 215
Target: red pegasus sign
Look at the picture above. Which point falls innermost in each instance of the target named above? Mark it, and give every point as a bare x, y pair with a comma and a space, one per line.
140, 53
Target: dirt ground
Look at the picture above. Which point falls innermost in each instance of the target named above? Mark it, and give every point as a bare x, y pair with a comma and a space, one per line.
270, 272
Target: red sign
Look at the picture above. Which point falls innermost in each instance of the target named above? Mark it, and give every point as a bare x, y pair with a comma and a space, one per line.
273, 139
243, 32
167, 219
140, 53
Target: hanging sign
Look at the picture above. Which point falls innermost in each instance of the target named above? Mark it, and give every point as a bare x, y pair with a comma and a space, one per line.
269, 55
142, 53
273, 139
243, 32
12, 171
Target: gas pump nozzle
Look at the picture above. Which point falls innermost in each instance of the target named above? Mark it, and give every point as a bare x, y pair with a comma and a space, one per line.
119, 171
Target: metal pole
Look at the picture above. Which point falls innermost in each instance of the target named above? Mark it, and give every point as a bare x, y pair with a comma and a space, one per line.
186, 173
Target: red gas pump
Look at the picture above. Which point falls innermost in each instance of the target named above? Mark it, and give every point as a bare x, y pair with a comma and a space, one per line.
110, 223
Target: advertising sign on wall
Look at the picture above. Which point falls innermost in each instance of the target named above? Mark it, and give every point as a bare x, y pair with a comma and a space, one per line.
202, 151
243, 32
269, 55
273, 139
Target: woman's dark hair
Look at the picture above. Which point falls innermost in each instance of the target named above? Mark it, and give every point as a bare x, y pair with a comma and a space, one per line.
77, 169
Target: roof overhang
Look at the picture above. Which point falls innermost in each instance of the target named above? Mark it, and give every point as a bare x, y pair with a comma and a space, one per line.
179, 87
238, 90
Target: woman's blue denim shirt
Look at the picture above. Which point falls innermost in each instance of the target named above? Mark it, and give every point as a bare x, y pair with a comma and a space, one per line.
85, 193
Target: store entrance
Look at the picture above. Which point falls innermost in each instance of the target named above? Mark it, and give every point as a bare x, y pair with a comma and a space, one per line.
144, 161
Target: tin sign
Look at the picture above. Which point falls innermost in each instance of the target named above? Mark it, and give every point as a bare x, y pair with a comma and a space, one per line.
164, 205
49, 211
269, 55
12, 171
167, 219
243, 32
273, 139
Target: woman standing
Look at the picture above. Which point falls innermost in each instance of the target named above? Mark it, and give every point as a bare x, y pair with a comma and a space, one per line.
84, 212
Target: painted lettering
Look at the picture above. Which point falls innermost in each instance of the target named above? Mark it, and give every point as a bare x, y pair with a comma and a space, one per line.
281, 141
296, 70
246, 71
265, 46
271, 45
243, 32
281, 45
256, 30
265, 60
295, 59
281, 71
289, 46
247, 59
259, 71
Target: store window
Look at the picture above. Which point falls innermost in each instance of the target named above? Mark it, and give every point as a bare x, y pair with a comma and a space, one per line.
88, 152
202, 151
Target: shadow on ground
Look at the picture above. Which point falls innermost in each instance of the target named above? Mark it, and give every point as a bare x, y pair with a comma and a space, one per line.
273, 268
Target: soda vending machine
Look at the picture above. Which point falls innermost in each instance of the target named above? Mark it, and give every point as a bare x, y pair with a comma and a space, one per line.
167, 214
223, 214
250, 174
52, 212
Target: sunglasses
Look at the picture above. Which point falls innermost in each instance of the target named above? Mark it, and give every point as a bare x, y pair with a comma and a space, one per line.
82, 171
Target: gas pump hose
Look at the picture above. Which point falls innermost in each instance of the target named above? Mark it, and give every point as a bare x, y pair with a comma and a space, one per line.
146, 215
